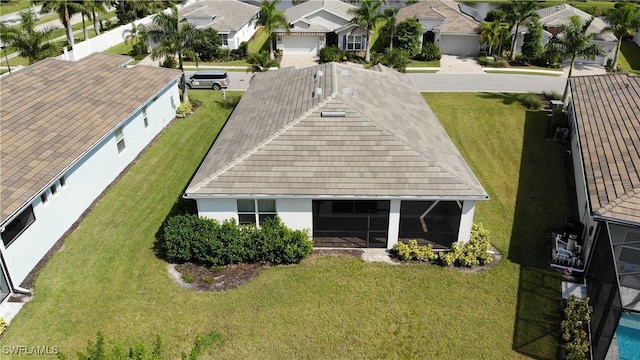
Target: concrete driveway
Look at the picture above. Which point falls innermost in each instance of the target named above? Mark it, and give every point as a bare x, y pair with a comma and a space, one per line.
452, 64
298, 61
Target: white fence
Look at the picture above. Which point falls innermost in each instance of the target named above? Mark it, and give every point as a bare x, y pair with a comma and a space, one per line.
105, 40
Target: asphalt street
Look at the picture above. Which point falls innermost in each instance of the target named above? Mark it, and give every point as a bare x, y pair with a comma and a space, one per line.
427, 82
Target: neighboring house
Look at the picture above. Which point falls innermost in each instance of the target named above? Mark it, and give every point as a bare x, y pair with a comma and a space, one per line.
604, 117
636, 38
319, 23
354, 156
68, 130
234, 20
552, 17
448, 24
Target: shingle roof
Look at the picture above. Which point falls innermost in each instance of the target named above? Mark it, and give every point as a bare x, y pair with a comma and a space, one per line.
607, 110
389, 142
306, 8
226, 15
54, 111
454, 20
554, 16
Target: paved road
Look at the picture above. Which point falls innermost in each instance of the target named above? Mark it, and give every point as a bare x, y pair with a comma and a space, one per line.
456, 83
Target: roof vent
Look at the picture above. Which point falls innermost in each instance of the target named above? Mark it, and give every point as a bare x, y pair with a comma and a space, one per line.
345, 73
347, 91
319, 74
317, 92
333, 114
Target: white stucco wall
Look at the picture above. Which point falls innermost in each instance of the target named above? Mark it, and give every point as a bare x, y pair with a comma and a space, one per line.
296, 213
219, 209
466, 220
394, 223
636, 38
244, 34
85, 181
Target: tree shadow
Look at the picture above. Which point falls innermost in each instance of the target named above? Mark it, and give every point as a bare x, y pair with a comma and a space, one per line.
631, 53
541, 204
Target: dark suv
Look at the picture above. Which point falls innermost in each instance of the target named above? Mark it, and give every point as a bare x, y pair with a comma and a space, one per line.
208, 79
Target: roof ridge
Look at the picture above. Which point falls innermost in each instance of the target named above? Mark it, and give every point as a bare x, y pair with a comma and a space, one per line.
619, 200
260, 145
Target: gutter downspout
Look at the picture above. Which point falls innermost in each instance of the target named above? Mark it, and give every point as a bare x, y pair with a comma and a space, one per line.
13, 288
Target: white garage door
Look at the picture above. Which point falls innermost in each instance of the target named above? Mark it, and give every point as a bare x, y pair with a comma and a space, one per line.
459, 45
300, 45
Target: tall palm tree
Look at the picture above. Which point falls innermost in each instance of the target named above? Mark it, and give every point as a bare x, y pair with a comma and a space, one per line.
65, 9
271, 18
261, 62
174, 38
492, 33
137, 37
96, 9
390, 24
573, 41
366, 16
624, 20
518, 13
85, 12
33, 44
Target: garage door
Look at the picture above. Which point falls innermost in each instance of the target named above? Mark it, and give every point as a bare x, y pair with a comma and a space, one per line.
300, 45
459, 45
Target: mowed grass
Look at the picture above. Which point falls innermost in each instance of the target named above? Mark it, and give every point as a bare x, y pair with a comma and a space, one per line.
106, 277
629, 58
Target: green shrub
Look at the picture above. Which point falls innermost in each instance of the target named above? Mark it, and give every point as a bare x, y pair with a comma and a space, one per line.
184, 109
501, 63
188, 278
3, 325
429, 52
412, 251
189, 238
483, 61
207, 280
447, 258
531, 101
329, 54
472, 253
577, 315
169, 62
241, 52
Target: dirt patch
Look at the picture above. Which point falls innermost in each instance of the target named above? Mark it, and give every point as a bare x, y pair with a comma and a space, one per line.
336, 252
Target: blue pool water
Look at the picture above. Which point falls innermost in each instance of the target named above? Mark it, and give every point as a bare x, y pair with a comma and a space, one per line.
628, 335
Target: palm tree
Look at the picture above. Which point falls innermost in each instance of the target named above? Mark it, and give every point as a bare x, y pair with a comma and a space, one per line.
97, 9
624, 20
573, 41
261, 62
85, 11
518, 13
492, 33
390, 25
33, 44
272, 18
137, 37
65, 9
395, 58
366, 16
174, 38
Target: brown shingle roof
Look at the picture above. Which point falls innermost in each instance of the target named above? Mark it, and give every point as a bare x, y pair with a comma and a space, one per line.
388, 143
607, 110
54, 111
454, 20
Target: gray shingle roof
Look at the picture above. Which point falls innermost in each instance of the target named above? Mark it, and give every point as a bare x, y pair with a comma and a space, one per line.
455, 21
607, 109
304, 9
554, 16
226, 15
54, 111
389, 143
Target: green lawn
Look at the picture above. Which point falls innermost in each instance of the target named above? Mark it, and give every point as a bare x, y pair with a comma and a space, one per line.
106, 277
416, 63
629, 57
260, 41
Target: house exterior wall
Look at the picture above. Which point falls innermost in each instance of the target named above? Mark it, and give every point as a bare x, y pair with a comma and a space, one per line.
84, 182
636, 38
349, 32
607, 46
244, 34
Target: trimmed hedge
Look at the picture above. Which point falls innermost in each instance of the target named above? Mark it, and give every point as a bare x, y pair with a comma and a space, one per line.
190, 238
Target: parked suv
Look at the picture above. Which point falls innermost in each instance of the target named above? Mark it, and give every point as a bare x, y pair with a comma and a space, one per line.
208, 79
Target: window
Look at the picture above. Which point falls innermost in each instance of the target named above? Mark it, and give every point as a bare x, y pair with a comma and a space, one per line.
354, 42
225, 39
63, 181
120, 140
44, 197
54, 189
254, 211
145, 118
18, 226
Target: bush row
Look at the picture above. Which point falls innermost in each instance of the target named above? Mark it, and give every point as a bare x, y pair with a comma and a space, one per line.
472, 253
189, 238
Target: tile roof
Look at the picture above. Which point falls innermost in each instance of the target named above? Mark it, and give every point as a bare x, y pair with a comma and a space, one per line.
309, 7
607, 111
554, 16
228, 15
282, 140
54, 111
454, 20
